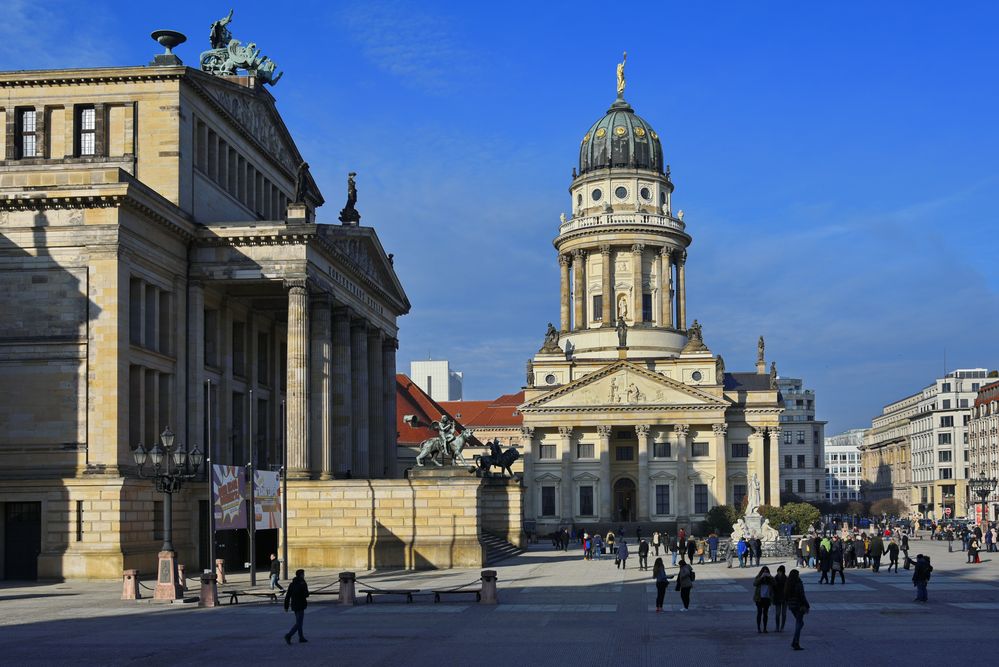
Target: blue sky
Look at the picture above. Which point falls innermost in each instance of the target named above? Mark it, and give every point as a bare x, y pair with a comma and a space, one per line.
836, 162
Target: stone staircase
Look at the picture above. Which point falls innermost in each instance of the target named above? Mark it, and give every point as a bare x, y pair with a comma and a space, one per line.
497, 548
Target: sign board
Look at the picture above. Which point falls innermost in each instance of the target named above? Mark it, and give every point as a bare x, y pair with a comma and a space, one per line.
946, 511
267, 499
229, 497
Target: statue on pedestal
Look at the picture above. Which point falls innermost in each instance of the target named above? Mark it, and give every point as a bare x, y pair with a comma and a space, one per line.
551, 341
622, 333
349, 214
754, 496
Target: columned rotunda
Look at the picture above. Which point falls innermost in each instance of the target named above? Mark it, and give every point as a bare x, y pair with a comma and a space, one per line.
628, 416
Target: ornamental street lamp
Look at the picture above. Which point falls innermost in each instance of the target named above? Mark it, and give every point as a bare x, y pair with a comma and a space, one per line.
171, 468
983, 487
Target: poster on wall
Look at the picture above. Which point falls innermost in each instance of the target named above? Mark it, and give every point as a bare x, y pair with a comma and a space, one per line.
267, 499
229, 497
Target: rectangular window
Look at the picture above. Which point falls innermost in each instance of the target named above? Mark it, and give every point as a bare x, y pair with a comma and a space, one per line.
586, 501
801, 486
943, 439
788, 461
740, 450
237, 428
662, 450
801, 460
789, 486
800, 437
584, 450
211, 338
945, 387
157, 519
662, 499
967, 419
700, 498
739, 492
598, 307
816, 460
816, 486
547, 501
962, 403
647, 308
624, 454
79, 520
946, 404
548, 452
263, 359
86, 131
946, 473
787, 437
699, 449
25, 132
947, 421
944, 456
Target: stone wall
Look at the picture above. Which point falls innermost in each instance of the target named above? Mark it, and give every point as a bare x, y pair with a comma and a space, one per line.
427, 522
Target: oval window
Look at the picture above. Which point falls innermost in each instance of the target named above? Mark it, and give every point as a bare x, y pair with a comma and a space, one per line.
696, 376
597, 194
621, 192
646, 195
550, 379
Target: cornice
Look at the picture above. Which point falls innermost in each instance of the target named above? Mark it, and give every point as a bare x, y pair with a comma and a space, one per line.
71, 77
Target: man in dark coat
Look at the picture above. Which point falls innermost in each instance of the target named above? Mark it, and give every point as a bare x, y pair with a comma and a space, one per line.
838, 566
757, 549
295, 598
921, 576
877, 550
691, 549
643, 555
893, 556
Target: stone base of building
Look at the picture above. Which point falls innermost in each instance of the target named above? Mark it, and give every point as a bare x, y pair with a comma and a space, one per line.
433, 520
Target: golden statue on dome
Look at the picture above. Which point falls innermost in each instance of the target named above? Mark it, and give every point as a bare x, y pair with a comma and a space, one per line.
620, 75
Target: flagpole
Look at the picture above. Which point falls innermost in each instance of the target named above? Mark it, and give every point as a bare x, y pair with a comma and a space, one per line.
284, 497
211, 487
253, 503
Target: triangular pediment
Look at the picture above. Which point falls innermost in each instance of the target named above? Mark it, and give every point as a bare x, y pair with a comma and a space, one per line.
623, 385
359, 248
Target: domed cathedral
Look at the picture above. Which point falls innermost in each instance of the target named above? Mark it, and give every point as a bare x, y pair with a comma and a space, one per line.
628, 415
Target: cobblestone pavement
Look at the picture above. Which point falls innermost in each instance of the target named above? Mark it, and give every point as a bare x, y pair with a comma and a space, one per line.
553, 607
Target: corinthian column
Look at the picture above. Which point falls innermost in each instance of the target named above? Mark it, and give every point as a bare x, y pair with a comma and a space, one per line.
376, 407
637, 252
683, 499
607, 287
603, 433
565, 432
579, 287
196, 362
391, 439
297, 410
773, 467
564, 312
359, 400
343, 450
527, 454
321, 432
681, 289
721, 464
667, 287
642, 431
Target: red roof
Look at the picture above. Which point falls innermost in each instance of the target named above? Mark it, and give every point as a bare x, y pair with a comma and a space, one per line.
411, 400
483, 414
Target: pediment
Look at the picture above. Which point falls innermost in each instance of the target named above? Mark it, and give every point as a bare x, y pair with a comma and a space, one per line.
586, 477
547, 477
663, 475
359, 248
624, 385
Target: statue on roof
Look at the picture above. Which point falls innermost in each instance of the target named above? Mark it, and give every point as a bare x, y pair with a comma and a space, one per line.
301, 183
694, 332
349, 214
227, 55
622, 333
219, 35
773, 374
620, 75
760, 350
551, 341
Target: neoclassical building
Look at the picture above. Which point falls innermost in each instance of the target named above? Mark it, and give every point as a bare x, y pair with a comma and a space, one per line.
161, 265
628, 415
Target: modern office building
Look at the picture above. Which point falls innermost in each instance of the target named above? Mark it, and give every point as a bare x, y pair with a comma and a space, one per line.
802, 463
437, 379
843, 468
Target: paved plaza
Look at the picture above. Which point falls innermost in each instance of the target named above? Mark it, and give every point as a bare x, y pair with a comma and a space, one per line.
553, 607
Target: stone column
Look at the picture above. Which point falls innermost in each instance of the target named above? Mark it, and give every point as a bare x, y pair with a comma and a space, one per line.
564, 260
756, 462
607, 276
527, 454
667, 290
658, 312
565, 433
342, 398
359, 389
721, 463
297, 406
637, 252
604, 433
391, 437
683, 499
681, 290
642, 431
773, 465
376, 406
320, 385
196, 364
579, 289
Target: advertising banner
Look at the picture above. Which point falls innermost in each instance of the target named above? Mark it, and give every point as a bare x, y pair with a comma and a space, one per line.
229, 497
267, 499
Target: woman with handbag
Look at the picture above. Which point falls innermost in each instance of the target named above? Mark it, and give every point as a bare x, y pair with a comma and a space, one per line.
797, 603
684, 582
661, 579
763, 592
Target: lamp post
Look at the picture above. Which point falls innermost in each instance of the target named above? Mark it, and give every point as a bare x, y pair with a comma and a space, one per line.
171, 468
983, 486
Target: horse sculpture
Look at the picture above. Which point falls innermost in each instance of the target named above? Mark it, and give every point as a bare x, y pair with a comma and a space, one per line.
504, 461
437, 450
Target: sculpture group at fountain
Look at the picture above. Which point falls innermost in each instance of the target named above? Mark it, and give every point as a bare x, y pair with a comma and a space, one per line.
753, 524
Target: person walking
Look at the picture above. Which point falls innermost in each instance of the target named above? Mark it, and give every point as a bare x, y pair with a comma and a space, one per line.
921, 577
295, 598
780, 601
611, 549
825, 562
950, 539
598, 546
837, 562
757, 548
763, 591
674, 549
702, 549
974, 545
276, 573
893, 556
691, 548
622, 554
684, 582
905, 551
861, 546
741, 548
877, 551
797, 603
713, 547
656, 537
643, 555
661, 579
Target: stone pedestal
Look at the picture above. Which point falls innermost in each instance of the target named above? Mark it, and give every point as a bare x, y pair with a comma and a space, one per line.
489, 587
430, 471
167, 586
220, 570
130, 585
347, 593
209, 591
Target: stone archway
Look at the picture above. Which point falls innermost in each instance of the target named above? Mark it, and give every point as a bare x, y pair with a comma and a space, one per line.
625, 499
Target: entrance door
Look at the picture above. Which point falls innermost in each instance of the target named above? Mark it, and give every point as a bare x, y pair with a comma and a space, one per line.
22, 540
624, 500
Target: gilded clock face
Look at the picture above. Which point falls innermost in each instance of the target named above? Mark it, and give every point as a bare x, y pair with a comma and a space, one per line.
639, 131
620, 131
601, 133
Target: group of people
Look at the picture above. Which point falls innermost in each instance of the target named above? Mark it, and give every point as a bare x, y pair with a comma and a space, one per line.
784, 592
681, 546
973, 540
833, 554
749, 551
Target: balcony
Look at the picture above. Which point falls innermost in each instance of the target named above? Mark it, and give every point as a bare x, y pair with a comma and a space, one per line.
621, 219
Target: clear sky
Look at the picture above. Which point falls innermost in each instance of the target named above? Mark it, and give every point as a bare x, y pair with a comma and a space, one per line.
837, 162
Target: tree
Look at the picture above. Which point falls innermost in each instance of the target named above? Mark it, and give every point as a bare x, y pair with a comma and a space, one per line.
721, 518
802, 515
888, 506
854, 507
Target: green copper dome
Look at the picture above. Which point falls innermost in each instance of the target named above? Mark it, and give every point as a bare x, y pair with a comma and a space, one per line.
621, 139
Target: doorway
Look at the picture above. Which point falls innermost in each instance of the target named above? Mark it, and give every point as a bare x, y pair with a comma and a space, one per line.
624, 500
22, 540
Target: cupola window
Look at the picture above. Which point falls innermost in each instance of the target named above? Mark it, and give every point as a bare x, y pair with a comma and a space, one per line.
597, 195
621, 192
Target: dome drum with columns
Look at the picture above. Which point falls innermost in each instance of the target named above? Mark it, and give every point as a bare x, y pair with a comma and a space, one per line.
633, 417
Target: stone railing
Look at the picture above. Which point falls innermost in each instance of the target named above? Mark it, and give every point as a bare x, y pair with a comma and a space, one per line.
612, 219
